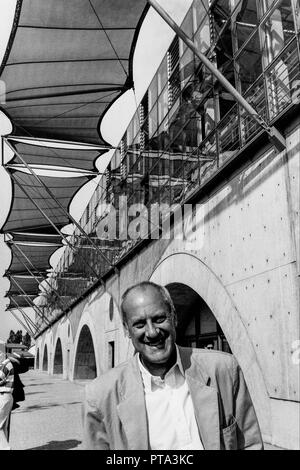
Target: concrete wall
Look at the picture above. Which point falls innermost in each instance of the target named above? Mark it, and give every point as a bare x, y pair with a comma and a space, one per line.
245, 266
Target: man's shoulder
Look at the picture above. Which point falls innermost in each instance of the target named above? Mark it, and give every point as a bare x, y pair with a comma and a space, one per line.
211, 360
109, 380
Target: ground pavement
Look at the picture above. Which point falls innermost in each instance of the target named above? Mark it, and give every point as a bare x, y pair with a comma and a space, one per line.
50, 416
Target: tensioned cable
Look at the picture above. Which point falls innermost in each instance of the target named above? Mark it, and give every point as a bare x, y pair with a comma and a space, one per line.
108, 38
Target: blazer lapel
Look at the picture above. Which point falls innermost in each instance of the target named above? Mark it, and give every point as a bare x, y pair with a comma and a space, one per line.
205, 401
132, 409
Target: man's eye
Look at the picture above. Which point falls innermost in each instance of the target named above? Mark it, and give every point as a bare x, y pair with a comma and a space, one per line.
160, 319
138, 325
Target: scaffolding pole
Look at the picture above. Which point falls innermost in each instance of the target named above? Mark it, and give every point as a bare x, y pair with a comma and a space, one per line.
32, 275
53, 224
25, 316
58, 203
27, 328
275, 137
30, 302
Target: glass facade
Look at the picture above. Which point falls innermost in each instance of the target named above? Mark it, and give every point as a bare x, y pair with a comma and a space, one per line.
187, 126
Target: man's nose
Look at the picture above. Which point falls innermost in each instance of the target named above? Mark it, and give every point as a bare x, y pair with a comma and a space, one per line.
151, 331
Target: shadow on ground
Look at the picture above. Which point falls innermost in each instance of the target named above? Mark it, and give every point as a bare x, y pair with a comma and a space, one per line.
28, 384
58, 445
26, 409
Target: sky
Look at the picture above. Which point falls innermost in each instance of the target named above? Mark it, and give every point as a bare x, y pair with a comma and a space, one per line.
154, 39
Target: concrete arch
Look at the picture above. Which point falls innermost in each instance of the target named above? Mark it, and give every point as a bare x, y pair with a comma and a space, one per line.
37, 359
62, 365
45, 365
85, 358
48, 341
58, 358
190, 270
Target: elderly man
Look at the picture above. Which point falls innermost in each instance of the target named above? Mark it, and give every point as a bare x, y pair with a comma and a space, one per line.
167, 397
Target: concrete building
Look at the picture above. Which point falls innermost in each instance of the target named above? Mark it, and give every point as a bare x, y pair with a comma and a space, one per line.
232, 263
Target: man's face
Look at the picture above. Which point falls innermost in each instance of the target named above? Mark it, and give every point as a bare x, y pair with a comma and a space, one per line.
150, 326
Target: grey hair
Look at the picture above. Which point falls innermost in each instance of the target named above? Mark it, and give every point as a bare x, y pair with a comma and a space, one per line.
143, 286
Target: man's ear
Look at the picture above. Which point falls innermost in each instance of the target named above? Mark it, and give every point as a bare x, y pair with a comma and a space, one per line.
126, 330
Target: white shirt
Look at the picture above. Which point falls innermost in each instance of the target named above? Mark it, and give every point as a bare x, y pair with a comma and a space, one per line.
170, 411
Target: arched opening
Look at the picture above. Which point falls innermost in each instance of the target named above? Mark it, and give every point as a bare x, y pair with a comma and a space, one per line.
45, 359
197, 326
58, 359
37, 359
85, 360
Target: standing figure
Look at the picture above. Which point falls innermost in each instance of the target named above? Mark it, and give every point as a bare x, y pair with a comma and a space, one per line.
168, 397
6, 399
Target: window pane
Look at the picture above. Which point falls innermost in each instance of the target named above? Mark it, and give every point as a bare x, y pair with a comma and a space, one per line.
174, 86
224, 54
163, 104
152, 92
187, 66
277, 31
162, 75
283, 80
200, 10
187, 24
248, 64
136, 123
245, 18
153, 121
202, 36
129, 137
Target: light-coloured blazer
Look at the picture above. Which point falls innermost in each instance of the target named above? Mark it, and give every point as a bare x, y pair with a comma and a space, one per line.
114, 412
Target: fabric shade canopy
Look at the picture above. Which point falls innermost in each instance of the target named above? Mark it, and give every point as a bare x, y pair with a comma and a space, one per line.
40, 155
22, 301
25, 216
28, 284
38, 255
66, 62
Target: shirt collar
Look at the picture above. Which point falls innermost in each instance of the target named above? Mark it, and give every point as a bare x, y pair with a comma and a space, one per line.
148, 378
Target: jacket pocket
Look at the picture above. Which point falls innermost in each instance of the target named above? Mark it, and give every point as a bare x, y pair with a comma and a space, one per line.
229, 436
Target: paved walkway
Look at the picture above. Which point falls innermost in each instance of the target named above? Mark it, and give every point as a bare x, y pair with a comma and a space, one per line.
50, 417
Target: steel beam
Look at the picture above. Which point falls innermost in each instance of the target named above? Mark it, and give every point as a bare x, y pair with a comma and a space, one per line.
51, 223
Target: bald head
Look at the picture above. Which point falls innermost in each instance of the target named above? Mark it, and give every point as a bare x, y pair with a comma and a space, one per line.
135, 295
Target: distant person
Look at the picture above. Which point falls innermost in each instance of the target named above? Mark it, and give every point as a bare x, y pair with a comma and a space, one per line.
11, 392
168, 397
6, 399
